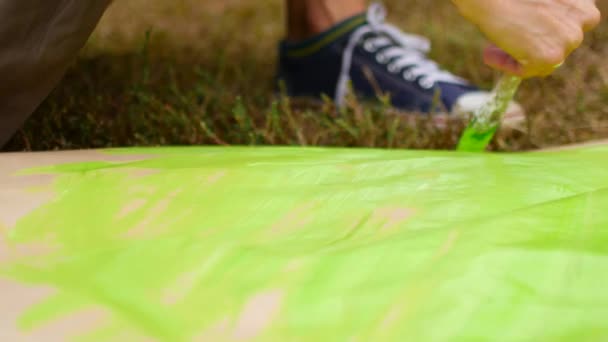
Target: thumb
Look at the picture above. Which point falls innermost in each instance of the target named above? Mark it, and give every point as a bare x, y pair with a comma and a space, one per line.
498, 59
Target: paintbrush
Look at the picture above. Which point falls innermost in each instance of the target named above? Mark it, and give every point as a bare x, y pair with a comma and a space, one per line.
486, 120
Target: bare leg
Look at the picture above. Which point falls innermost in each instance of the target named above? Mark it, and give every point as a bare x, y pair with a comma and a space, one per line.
306, 18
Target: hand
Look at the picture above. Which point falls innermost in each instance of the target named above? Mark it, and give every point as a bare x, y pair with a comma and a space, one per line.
531, 37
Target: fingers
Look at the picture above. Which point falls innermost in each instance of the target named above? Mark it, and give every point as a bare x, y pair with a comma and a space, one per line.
563, 32
589, 14
584, 12
534, 36
592, 19
546, 60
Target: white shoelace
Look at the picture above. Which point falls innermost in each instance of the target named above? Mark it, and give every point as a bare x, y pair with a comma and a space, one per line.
403, 53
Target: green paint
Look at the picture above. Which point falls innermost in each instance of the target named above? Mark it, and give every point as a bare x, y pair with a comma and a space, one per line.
474, 140
378, 245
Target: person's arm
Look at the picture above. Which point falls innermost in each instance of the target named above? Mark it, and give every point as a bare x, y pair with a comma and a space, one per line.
531, 37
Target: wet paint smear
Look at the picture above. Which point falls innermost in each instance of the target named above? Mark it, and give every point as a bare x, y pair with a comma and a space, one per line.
475, 141
277, 244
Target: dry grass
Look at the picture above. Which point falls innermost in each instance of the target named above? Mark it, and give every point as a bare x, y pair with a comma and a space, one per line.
200, 72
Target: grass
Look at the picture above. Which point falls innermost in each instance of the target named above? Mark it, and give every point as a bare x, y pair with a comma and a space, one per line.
201, 72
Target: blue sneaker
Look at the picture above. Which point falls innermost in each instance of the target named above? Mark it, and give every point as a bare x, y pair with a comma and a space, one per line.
376, 58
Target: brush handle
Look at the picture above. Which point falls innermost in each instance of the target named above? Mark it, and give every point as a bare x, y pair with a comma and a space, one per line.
487, 118
490, 114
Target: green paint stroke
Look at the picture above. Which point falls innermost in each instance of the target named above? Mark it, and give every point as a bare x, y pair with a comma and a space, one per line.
473, 140
277, 244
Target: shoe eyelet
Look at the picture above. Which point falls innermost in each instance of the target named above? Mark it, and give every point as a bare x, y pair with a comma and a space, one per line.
425, 83
409, 76
381, 58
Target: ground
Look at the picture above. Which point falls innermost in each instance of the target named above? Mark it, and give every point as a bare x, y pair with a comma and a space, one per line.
186, 72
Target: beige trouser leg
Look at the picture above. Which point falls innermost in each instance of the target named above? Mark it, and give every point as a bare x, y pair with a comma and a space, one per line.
38, 40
